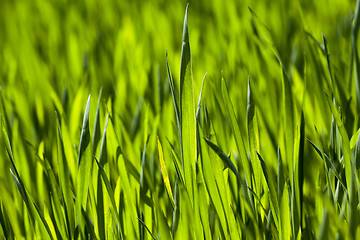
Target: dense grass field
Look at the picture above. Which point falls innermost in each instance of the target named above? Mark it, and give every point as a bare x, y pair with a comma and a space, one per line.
162, 120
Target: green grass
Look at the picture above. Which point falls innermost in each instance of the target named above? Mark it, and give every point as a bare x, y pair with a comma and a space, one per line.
112, 127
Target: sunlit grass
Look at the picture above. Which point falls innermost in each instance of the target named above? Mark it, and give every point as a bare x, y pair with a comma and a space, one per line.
112, 127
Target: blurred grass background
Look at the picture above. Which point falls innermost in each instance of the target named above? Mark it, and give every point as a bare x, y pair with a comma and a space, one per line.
50, 50
58, 47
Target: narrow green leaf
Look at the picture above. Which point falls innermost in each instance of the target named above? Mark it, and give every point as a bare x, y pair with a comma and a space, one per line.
172, 88
164, 172
198, 119
232, 167
301, 166
226, 159
142, 223
176, 211
5, 223
210, 182
85, 133
272, 187
34, 212
353, 194
89, 225
109, 190
253, 136
204, 215
198, 110
280, 176
64, 179
8, 147
187, 113
354, 139
96, 132
100, 198
236, 130
353, 202
345, 139
327, 56
84, 166
288, 119
177, 163
56, 197
285, 214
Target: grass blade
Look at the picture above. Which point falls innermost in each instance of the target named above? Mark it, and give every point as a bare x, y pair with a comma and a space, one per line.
142, 223
96, 132
64, 179
172, 88
253, 136
187, 113
236, 130
271, 185
211, 184
301, 166
164, 172
100, 198
288, 119
109, 190
177, 162
34, 212
354, 198
345, 140
225, 158
84, 166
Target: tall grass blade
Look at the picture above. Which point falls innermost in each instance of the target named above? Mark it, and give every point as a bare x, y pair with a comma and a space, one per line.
59, 223
172, 88
198, 119
100, 197
354, 197
142, 223
209, 170
280, 176
236, 130
84, 168
228, 163
187, 113
89, 225
204, 211
164, 173
96, 132
301, 166
271, 185
177, 164
288, 119
109, 190
327, 56
34, 213
345, 140
64, 179
285, 220
253, 136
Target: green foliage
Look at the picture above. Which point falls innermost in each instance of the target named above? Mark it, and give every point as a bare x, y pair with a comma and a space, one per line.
274, 157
